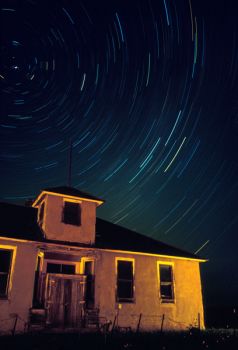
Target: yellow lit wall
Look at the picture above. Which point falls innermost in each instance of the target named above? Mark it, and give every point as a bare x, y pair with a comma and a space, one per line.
55, 229
180, 315
183, 313
21, 289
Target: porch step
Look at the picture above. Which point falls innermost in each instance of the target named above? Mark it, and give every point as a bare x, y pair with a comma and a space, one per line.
37, 317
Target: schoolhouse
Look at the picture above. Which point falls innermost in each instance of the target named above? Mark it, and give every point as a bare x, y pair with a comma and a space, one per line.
61, 266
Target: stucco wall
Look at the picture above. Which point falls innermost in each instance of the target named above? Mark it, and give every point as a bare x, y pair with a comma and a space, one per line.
57, 230
183, 313
21, 287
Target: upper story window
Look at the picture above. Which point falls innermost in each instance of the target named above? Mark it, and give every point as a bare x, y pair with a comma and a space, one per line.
72, 213
125, 281
41, 212
5, 270
166, 283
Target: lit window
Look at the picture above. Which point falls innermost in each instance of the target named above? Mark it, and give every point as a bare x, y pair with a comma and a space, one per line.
72, 213
5, 269
125, 281
166, 283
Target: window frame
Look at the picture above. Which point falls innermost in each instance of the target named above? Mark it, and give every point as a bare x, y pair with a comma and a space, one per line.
54, 262
90, 281
13, 250
82, 264
58, 261
168, 301
79, 204
125, 300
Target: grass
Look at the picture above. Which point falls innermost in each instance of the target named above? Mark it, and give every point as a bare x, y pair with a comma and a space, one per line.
193, 340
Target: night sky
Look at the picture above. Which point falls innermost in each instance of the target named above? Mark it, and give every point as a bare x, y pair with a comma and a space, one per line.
147, 92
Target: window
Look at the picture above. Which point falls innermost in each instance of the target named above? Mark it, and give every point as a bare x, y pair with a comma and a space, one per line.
5, 269
125, 281
90, 282
41, 212
166, 283
72, 213
36, 302
61, 268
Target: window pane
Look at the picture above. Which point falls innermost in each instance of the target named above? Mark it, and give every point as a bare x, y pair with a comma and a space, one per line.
5, 260
61, 268
88, 268
53, 268
42, 209
125, 281
68, 269
165, 273
125, 270
125, 290
71, 214
3, 285
90, 288
166, 291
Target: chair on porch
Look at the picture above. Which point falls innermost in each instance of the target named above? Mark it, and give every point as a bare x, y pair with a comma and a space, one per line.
93, 320
37, 318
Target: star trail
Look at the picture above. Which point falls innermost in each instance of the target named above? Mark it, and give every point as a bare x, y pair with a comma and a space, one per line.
146, 92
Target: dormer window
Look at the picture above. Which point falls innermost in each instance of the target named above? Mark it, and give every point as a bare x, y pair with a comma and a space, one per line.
72, 213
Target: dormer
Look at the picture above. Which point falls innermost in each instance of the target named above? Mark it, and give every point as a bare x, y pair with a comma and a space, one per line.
67, 214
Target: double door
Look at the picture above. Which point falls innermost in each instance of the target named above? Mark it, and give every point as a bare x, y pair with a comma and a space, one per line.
65, 299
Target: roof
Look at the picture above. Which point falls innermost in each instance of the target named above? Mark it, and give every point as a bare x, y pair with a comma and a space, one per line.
21, 223
71, 191
111, 236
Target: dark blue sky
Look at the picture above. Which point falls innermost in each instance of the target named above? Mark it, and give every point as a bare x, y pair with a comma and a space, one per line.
147, 92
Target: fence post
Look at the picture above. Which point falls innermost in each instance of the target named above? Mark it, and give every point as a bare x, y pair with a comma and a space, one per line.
138, 324
162, 324
115, 322
15, 325
234, 320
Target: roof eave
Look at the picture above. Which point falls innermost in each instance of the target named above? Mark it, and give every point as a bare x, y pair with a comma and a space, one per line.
105, 249
38, 199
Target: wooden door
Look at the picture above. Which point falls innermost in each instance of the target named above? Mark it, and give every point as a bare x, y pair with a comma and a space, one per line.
64, 299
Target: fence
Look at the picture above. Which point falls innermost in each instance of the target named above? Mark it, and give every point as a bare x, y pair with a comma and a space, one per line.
130, 322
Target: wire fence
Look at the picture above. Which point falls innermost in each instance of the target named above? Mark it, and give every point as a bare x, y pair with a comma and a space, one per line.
117, 322
13, 323
160, 322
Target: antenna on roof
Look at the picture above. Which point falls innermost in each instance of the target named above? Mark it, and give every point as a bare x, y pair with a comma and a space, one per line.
69, 162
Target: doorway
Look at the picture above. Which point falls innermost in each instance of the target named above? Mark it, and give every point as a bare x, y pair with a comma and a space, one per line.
65, 299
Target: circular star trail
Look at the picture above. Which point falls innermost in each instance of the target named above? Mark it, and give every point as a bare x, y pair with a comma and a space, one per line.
146, 92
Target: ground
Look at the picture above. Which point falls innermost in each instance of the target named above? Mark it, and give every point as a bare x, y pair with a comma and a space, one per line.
192, 340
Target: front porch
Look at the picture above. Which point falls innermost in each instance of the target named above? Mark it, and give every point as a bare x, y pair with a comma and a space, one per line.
64, 290
89, 321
